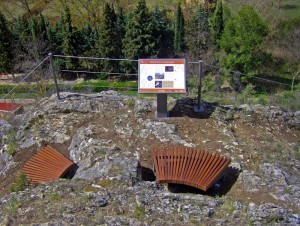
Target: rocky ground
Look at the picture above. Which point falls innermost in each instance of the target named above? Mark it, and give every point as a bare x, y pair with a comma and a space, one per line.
109, 136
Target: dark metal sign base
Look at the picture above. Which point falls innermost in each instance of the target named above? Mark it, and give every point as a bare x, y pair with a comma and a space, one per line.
162, 106
199, 109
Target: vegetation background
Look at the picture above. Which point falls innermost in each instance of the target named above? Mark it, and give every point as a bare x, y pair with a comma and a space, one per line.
242, 43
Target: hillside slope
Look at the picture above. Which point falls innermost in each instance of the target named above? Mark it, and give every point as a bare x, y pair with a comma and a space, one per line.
109, 136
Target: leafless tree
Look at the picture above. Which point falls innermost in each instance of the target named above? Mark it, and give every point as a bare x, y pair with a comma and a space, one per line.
291, 47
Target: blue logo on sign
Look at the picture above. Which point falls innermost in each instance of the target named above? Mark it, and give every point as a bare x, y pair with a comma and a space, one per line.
149, 78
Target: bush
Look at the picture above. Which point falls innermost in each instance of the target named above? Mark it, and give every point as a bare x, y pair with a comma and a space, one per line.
11, 142
23, 182
247, 93
287, 100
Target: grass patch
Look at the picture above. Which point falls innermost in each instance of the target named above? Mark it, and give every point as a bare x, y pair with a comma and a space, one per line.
13, 207
55, 196
139, 211
105, 183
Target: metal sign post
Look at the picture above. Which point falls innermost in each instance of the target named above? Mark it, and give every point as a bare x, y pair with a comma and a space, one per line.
198, 107
54, 75
162, 106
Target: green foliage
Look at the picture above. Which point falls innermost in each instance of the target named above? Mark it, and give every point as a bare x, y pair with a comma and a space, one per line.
242, 39
5, 45
288, 100
217, 23
108, 45
130, 103
163, 34
105, 183
247, 93
139, 211
139, 41
68, 42
22, 183
102, 76
13, 206
179, 32
11, 142
197, 33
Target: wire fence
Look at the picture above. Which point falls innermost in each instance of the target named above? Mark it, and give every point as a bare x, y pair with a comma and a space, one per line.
38, 83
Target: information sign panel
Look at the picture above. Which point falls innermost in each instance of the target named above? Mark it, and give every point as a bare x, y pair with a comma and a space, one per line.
162, 76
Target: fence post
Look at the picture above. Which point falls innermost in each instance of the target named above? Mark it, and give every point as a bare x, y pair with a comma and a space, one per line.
199, 108
54, 75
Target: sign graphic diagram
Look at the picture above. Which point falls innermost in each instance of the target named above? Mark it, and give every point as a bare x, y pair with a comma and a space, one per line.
162, 76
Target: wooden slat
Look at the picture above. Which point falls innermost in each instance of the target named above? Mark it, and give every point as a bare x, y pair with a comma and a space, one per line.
47, 165
188, 166
9, 107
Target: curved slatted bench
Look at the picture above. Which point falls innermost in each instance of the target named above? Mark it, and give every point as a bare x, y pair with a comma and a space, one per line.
9, 106
9, 110
189, 166
47, 165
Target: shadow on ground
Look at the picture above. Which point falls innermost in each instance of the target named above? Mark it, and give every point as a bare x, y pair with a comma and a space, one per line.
185, 107
220, 188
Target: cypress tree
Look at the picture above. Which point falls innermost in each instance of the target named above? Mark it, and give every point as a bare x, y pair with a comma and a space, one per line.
217, 23
121, 23
68, 42
44, 26
56, 34
197, 33
35, 37
108, 45
139, 41
179, 31
163, 34
5, 45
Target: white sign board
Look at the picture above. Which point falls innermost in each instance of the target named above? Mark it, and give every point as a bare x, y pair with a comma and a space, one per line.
162, 76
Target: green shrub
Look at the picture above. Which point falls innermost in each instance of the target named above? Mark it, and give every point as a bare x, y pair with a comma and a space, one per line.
11, 142
13, 206
102, 76
247, 93
130, 103
287, 100
22, 183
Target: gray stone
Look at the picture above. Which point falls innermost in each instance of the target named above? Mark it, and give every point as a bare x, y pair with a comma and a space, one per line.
120, 221
270, 213
142, 106
164, 132
4, 127
250, 181
274, 175
122, 168
99, 202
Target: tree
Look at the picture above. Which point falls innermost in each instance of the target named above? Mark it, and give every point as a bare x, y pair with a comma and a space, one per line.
163, 34
139, 41
120, 26
108, 45
242, 39
179, 31
197, 33
5, 45
68, 42
217, 23
292, 46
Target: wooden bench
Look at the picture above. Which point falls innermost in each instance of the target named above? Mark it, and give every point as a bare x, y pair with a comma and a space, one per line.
47, 165
189, 166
